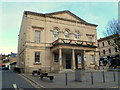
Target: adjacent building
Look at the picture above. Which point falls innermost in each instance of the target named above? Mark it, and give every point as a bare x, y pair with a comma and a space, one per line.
109, 50
9, 59
56, 41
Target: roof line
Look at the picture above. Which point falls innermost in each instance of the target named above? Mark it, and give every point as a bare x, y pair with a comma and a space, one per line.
48, 15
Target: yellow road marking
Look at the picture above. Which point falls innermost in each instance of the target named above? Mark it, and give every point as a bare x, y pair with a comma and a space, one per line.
33, 84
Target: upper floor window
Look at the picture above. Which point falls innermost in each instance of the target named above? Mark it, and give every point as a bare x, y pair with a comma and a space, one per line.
37, 36
109, 50
67, 35
114, 40
108, 42
56, 33
77, 35
90, 38
103, 44
103, 51
37, 57
116, 50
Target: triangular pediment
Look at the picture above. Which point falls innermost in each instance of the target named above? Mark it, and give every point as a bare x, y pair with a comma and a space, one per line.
66, 15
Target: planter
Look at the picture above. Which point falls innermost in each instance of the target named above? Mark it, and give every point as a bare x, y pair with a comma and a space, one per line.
80, 75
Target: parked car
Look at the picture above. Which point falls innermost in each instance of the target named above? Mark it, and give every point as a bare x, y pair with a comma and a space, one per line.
5, 68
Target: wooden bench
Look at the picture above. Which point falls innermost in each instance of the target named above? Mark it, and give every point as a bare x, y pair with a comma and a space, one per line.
46, 75
36, 72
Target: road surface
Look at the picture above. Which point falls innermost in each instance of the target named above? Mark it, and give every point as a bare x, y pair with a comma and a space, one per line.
13, 80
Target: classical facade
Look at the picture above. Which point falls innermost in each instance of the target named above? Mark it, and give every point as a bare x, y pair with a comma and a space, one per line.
109, 51
56, 42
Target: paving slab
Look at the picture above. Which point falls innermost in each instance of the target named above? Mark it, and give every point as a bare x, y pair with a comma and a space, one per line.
59, 80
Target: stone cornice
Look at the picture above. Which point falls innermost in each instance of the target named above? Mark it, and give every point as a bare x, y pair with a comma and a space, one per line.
47, 15
37, 27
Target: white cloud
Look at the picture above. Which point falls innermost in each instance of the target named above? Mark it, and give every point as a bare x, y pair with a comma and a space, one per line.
8, 50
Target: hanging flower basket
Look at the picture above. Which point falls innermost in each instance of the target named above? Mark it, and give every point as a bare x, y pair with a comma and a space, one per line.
79, 43
66, 42
56, 41
93, 43
70, 41
53, 43
90, 44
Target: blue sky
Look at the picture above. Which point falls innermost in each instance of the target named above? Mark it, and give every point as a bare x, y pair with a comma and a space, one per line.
93, 12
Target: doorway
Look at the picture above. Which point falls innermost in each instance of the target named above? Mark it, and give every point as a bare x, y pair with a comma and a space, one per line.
68, 61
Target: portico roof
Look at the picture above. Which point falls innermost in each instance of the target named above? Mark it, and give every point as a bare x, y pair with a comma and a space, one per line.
70, 44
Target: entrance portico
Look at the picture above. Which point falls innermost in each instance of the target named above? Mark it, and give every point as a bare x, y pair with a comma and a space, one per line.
69, 57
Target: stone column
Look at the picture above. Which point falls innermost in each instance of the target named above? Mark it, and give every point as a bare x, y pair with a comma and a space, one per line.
84, 58
83, 64
52, 61
95, 58
73, 59
60, 58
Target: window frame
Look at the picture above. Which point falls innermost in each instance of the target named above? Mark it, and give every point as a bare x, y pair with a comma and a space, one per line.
108, 42
37, 36
103, 44
92, 59
66, 33
79, 59
90, 38
56, 57
116, 49
35, 61
55, 33
77, 34
109, 50
104, 52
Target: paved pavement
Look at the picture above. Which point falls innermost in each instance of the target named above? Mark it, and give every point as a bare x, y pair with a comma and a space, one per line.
60, 80
12, 80
0, 79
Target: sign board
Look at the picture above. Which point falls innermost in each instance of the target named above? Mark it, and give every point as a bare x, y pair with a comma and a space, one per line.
84, 58
60, 57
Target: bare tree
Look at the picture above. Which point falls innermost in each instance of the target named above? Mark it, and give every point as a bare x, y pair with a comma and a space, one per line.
113, 33
113, 30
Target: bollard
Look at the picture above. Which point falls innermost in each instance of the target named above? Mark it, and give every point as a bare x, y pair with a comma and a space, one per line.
66, 79
114, 75
92, 78
103, 77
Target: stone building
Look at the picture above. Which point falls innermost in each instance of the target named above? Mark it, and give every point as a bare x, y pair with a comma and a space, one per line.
7, 60
56, 41
109, 51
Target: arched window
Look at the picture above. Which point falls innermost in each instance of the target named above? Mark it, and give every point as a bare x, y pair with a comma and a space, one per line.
67, 34
77, 35
56, 33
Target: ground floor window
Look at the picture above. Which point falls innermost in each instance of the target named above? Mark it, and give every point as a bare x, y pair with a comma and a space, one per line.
37, 57
56, 57
79, 58
92, 59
